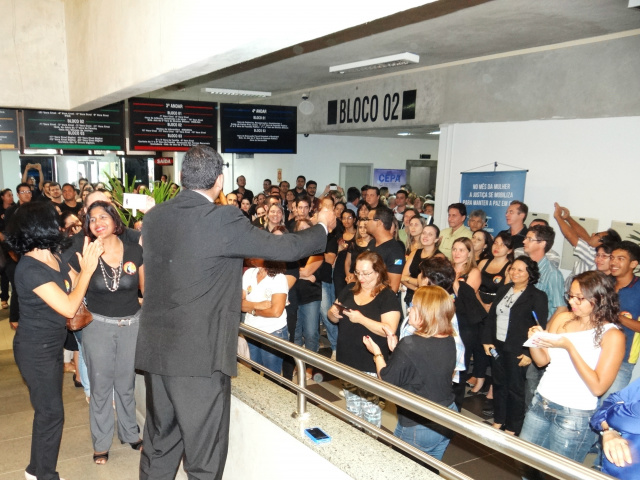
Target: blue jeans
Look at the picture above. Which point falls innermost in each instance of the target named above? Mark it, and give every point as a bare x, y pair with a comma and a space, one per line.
83, 373
268, 357
560, 429
433, 442
328, 297
307, 326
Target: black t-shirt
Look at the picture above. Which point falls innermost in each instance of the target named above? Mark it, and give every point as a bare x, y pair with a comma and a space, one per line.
306, 291
129, 235
423, 366
351, 351
392, 253
355, 250
124, 301
325, 272
248, 194
39, 323
66, 208
517, 240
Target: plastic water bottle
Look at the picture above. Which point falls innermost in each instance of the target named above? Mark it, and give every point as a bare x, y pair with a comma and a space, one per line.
372, 413
354, 403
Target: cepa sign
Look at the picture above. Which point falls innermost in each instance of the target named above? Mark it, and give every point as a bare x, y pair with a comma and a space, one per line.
392, 179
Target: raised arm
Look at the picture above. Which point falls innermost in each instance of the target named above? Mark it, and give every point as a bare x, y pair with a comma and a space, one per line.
57, 299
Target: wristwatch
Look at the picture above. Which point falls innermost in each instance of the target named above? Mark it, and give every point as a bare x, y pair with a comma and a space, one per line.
253, 312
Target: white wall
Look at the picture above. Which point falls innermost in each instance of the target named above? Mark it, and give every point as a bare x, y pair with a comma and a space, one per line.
10, 175
591, 166
319, 158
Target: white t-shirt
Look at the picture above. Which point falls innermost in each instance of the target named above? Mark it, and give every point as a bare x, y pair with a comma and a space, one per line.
259, 292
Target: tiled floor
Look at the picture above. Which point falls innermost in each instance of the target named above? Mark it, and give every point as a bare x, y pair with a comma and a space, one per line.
16, 415
75, 462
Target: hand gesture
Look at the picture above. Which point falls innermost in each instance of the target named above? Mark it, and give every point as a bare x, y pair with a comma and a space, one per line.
371, 345
533, 330
525, 360
392, 339
487, 348
90, 254
334, 311
354, 315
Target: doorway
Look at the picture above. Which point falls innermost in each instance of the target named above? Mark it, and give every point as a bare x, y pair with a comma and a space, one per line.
421, 175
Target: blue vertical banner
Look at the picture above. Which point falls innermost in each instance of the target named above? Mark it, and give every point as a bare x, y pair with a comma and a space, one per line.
492, 192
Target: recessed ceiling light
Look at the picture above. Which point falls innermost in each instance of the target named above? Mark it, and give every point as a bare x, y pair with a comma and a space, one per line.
436, 132
405, 134
376, 63
242, 93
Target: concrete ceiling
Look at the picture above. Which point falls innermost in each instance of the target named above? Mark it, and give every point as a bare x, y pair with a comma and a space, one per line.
441, 33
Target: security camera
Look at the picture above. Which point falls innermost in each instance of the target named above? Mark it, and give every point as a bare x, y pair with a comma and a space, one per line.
305, 96
306, 135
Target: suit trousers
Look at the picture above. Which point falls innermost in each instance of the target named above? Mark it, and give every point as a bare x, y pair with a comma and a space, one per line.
186, 416
109, 351
508, 389
41, 367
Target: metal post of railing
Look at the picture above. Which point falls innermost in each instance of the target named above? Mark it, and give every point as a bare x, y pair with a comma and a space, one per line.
520, 450
301, 410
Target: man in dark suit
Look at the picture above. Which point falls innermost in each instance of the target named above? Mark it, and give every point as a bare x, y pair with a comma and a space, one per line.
193, 253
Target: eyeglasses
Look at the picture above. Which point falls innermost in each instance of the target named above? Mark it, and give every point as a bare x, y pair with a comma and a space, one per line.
25, 192
363, 219
531, 239
603, 255
363, 274
578, 300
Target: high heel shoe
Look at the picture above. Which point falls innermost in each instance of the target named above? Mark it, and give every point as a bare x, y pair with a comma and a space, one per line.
76, 382
135, 445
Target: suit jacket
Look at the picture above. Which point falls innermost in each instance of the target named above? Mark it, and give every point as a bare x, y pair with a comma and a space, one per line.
193, 253
520, 317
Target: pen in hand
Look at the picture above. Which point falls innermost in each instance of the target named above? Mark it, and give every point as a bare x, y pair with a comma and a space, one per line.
535, 317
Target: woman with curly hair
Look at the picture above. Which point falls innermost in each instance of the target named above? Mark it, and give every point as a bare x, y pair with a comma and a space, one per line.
583, 349
43, 283
516, 307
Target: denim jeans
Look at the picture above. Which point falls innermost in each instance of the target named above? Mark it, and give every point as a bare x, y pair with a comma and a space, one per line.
83, 373
560, 429
328, 297
433, 442
268, 357
307, 326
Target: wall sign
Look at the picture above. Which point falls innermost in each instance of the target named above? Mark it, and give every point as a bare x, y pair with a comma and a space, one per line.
100, 129
248, 128
163, 161
8, 129
373, 109
492, 192
392, 179
175, 125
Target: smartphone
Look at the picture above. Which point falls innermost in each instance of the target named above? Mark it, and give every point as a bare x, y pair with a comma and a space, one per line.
317, 435
341, 308
333, 187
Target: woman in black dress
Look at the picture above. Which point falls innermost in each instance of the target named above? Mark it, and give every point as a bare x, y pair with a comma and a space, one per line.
46, 301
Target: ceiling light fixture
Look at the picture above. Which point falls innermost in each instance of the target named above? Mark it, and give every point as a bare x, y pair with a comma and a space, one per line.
404, 134
436, 132
396, 60
242, 93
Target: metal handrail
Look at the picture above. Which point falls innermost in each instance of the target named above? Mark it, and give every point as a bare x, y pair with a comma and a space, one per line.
514, 447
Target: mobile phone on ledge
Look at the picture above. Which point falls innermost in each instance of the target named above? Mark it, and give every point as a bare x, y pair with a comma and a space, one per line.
317, 435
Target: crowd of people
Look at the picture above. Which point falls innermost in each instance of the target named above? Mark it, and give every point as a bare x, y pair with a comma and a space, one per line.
429, 310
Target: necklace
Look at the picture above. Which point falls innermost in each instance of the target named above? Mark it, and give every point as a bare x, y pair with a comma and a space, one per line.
116, 273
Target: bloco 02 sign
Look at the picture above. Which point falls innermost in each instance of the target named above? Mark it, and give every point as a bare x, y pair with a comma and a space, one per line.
492, 192
392, 179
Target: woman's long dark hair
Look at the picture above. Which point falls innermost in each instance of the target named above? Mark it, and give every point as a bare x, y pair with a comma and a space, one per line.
599, 290
35, 225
